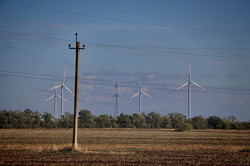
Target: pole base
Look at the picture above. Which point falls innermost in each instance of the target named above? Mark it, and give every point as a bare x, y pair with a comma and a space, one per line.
75, 147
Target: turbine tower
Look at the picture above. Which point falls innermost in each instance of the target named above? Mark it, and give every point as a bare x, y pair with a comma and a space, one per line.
116, 100
140, 92
188, 84
62, 85
55, 100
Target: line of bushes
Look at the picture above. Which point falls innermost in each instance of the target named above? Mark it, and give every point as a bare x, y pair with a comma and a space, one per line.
177, 121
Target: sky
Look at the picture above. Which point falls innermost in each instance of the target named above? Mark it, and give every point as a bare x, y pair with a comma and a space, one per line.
125, 42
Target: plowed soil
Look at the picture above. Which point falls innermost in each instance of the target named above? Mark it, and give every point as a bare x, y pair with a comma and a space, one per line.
125, 147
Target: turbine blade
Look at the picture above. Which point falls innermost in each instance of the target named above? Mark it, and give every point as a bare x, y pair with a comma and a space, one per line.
182, 86
49, 98
148, 95
61, 97
68, 89
134, 95
65, 99
64, 75
55, 87
199, 86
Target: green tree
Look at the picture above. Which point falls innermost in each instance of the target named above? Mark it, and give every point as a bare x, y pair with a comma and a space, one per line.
86, 119
154, 120
36, 120
4, 115
32, 119
230, 123
12, 119
124, 121
66, 121
103, 121
138, 121
215, 122
244, 125
184, 126
166, 122
176, 119
49, 121
199, 122
113, 123
17, 119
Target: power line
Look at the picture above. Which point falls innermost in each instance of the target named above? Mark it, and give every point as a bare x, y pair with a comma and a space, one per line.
129, 47
166, 51
114, 30
124, 84
34, 36
121, 20
53, 77
108, 82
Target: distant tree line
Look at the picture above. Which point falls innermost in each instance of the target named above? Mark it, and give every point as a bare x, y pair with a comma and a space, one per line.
29, 119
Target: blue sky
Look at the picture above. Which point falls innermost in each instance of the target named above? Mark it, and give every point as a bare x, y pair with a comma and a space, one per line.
125, 41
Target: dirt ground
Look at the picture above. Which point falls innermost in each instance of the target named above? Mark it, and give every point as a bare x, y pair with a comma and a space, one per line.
200, 157
125, 147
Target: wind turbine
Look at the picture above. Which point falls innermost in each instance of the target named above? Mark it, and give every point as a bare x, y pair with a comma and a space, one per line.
62, 85
188, 84
140, 92
55, 99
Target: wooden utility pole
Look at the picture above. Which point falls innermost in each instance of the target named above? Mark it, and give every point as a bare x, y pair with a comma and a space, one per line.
77, 73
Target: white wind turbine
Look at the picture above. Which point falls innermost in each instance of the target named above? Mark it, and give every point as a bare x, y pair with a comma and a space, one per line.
188, 84
55, 95
62, 85
139, 94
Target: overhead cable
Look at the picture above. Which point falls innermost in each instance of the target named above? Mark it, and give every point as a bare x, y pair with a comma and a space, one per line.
124, 84
118, 19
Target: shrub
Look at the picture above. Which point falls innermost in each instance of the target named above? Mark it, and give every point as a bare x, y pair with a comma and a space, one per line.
199, 122
184, 126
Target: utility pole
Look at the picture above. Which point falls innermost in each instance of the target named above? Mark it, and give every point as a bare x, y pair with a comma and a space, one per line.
77, 73
116, 100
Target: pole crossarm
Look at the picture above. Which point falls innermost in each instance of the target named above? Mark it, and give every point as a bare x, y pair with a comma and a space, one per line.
77, 47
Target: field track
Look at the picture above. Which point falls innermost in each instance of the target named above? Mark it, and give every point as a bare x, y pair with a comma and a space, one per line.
124, 147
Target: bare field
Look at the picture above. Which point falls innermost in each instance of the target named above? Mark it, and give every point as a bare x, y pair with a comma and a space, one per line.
124, 147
